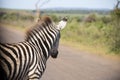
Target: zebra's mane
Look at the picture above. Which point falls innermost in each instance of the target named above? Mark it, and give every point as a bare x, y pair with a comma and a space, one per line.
42, 23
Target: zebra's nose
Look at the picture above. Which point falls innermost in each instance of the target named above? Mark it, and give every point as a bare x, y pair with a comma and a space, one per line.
54, 54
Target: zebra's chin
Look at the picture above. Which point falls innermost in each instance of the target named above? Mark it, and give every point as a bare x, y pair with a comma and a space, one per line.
54, 54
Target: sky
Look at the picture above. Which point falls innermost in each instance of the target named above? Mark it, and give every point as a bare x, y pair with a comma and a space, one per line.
30, 4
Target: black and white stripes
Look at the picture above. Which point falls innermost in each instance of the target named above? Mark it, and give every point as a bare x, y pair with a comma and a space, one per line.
27, 60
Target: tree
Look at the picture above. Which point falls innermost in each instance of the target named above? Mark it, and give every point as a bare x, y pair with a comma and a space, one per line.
114, 35
38, 8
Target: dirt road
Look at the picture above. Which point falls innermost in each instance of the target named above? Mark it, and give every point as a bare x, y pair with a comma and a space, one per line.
71, 64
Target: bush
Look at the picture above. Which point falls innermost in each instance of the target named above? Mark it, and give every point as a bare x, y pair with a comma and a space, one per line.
114, 36
90, 18
106, 20
87, 33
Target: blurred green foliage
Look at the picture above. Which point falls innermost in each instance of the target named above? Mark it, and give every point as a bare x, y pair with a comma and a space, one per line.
91, 32
114, 32
16, 18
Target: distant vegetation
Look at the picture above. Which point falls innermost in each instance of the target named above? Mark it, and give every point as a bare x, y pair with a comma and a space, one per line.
91, 28
16, 17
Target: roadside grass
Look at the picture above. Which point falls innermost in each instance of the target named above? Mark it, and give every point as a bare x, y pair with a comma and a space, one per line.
96, 50
89, 37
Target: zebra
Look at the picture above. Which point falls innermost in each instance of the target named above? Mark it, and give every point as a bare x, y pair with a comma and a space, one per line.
27, 60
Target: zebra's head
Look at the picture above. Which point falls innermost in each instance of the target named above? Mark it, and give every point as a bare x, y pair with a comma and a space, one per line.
60, 26
54, 50
45, 35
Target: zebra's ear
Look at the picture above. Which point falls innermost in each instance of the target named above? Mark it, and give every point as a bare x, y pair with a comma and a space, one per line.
62, 23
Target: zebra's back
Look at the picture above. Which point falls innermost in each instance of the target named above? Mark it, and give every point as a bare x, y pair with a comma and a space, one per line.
17, 61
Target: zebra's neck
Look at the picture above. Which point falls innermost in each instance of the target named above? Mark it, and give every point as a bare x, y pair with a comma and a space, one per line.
43, 38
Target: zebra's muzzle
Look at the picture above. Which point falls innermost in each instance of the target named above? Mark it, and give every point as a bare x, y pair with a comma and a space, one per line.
54, 54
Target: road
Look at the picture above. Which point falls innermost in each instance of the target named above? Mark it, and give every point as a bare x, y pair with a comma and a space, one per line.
71, 64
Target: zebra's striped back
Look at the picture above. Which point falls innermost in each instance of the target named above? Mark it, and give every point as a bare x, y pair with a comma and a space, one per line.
27, 60
16, 59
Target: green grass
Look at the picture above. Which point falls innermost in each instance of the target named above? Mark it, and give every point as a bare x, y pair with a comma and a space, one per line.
91, 36
85, 38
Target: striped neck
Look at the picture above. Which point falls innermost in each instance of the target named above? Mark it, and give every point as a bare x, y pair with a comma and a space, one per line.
43, 37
